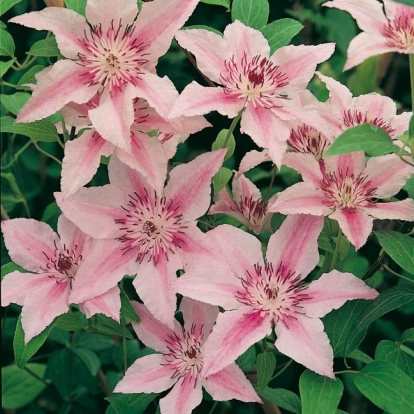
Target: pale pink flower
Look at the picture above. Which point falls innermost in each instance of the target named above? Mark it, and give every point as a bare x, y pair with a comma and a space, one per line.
112, 52
53, 263
267, 88
179, 362
381, 33
247, 205
348, 191
258, 294
154, 233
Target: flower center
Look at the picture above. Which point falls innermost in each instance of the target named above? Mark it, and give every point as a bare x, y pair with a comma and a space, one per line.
257, 81
345, 191
353, 118
253, 210
307, 140
152, 226
114, 57
272, 292
400, 31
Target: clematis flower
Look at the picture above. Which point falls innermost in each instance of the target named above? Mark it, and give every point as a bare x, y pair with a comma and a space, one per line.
155, 233
348, 191
258, 294
53, 264
381, 33
247, 205
267, 88
179, 362
112, 52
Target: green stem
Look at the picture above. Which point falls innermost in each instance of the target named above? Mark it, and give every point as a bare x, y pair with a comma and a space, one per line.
264, 344
397, 274
232, 126
16, 155
411, 59
348, 371
272, 180
46, 153
288, 364
213, 407
336, 251
12, 85
124, 348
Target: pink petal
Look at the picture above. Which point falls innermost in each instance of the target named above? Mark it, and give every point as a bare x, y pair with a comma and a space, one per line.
224, 204
243, 187
109, 304
230, 383
398, 210
114, 116
352, 163
387, 174
67, 25
106, 13
332, 290
304, 340
301, 198
82, 159
233, 333
183, 398
147, 374
199, 100
30, 243
306, 165
251, 159
356, 225
56, 86
199, 314
189, 184
295, 245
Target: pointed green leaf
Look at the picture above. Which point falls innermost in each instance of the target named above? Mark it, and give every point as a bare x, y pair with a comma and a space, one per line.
280, 32
393, 352
247, 360
29, 76
71, 321
265, 363
11, 267
285, 399
360, 356
128, 312
138, 402
221, 179
42, 130
225, 3
45, 48
5, 66
89, 358
108, 326
6, 5
319, 394
13, 103
222, 142
78, 6
253, 13
7, 46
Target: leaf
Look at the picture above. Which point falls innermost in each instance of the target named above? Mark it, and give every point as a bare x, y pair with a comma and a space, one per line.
221, 142
399, 247
319, 394
13, 103
366, 137
93, 341
411, 125
409, 187
89, 358
19, 387
7, 46
45, 48
247, 360
42, 130
387, 387
343, 247
360, 356
392, 352
225, 3
51, 214
408, 337
253, 13
128, 313
108, 326
221, 179
266, 363
276, 221
77, 5
11, 267
29, 76
5, 66
324, 241
285, 399
280, 32
407, 2
137, 402
71, 321
23, 352
6, 5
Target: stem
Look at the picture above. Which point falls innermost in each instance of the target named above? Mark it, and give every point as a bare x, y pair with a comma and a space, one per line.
104, 384
46, 153
213, 407
272, 180
4, 215
34, 375
375, 266
411, 59
397, 274
349, 371
336, 251
194, 63
232, 126
16, 155
124, 347
206, 224
288, 364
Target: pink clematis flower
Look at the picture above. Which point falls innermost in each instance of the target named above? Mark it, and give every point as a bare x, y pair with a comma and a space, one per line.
267, 88
348, 191
180, 361
112, 52
247, 205
155, 233
55, 262
257, 294
381, 33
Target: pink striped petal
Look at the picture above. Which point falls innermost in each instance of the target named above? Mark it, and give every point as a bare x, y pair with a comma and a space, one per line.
352, 163
304, 340
56, 86
295, 245
387, 174
183, 398
398, 210
67, 25
147, 374
331, 291
306, 165
356, 225
189, 184
251, 159
109, 304
107, 13
82, 159
233, 333
224, 204
230, 383
243, 187
30, 242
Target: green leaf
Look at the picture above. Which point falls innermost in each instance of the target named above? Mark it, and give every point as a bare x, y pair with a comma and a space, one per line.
266, 363
276, 221
360, 356
45, 48
247, 360
10, 193
407, 2
343, 247
29, 76
285, 399
51, 214
7, 46
6, 5
5, 66
221, 179
77, 5
253, 13
128, 313
387, 387
408, 337
225, 3
325, 241
93, 341
137, 403
221, 142
42, 130
387, 301
11, 267
399, 247
89, 358
19, 387
409, 187
108, 326
71, 321
371, 139
280, 32
392, 352
319, 394
13, 103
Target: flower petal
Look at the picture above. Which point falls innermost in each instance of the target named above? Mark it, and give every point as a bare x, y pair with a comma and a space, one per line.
108, 13
351, 163
109, 304
251, 159
306, 165
398, 210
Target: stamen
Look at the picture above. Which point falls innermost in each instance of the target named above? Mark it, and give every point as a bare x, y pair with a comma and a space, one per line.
353, 118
